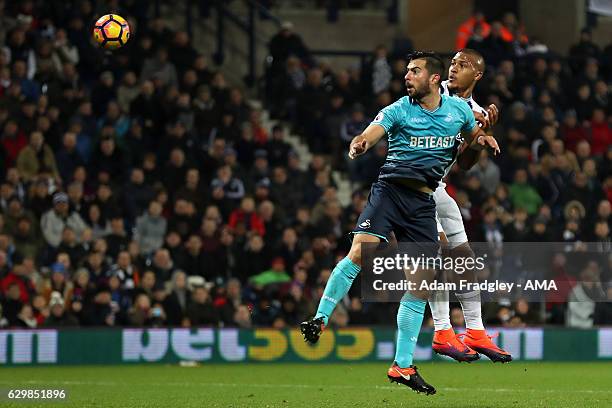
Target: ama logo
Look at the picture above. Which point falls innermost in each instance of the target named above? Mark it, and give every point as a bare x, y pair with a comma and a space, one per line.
365, 224
448, 118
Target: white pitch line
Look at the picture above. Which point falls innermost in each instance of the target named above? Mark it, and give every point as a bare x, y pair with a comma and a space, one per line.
307, 386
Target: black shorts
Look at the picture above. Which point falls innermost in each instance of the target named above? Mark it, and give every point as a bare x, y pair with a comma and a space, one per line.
410, 214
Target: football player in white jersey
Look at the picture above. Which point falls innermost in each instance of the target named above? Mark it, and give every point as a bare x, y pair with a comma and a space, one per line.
465, 70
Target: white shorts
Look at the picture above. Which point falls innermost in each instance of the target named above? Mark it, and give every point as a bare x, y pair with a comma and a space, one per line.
449, 217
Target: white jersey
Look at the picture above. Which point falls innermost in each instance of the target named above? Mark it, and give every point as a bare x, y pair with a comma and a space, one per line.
448, 215
472, 104
470, 101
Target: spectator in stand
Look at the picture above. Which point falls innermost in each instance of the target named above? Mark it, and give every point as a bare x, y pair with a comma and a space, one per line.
245, 219
182, 53
602, 97
476, 39
275, 275
194, 261
192, 191
37, 159
184, 219
487, 172
26, 238
201, 311
284, 44
137, 195
378, 72
162, 265
54, 221
59, 317
496, 46
99, 225
242, 317
225, 189
311, 101
278, 148
159, 69
571, 131
600, 132
252, 258
108, 158
467, 29
71, 246
523, 195
118, 239
289, 248
512, 30
583, 297
585, 48
177, 302
229, 304
125, 271
142, 314
14, 211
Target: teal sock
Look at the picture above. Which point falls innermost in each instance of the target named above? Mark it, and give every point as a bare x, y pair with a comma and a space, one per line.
409, 320
337, 287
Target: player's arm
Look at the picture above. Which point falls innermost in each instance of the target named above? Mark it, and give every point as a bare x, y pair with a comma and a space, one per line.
488, 121
476, 141
467, 159
368, 138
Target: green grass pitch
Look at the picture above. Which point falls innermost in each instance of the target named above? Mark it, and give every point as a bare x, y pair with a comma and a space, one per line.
517, 384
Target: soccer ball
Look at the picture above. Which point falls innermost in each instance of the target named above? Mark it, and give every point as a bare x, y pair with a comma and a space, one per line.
111, 31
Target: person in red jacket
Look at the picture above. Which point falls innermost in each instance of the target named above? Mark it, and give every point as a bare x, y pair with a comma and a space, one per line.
572, 132
601, 134
13, 140
512, 30
19, 276
246, 217
466, 29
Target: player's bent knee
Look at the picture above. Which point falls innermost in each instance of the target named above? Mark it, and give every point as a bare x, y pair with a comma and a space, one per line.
355, 253
419, 277
463, 251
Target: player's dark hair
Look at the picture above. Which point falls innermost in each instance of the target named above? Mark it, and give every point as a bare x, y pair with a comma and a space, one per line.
433, 62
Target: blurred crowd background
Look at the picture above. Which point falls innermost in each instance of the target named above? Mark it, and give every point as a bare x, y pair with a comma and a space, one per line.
140, 188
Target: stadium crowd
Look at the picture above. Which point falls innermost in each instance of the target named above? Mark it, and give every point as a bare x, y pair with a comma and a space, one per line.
139, 188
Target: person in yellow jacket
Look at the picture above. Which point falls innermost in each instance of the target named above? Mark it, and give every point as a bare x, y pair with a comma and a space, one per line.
36, 159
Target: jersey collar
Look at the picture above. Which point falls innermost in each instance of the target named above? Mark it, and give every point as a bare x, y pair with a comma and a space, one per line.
412, 101
451, 93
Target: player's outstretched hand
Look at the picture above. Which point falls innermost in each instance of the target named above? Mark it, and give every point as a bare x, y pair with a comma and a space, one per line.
482, 120
358, 147
493, 113
489, 141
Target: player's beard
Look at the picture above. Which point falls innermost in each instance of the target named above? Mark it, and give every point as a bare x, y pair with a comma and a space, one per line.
418, 92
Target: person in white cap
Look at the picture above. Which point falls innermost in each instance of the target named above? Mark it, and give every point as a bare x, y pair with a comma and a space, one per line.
53, 222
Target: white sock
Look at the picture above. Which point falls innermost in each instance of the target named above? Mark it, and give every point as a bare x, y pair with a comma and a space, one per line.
471, 305
438, 303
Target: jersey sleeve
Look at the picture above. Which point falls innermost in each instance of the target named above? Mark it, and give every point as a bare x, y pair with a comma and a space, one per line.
469, 122
388, 117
